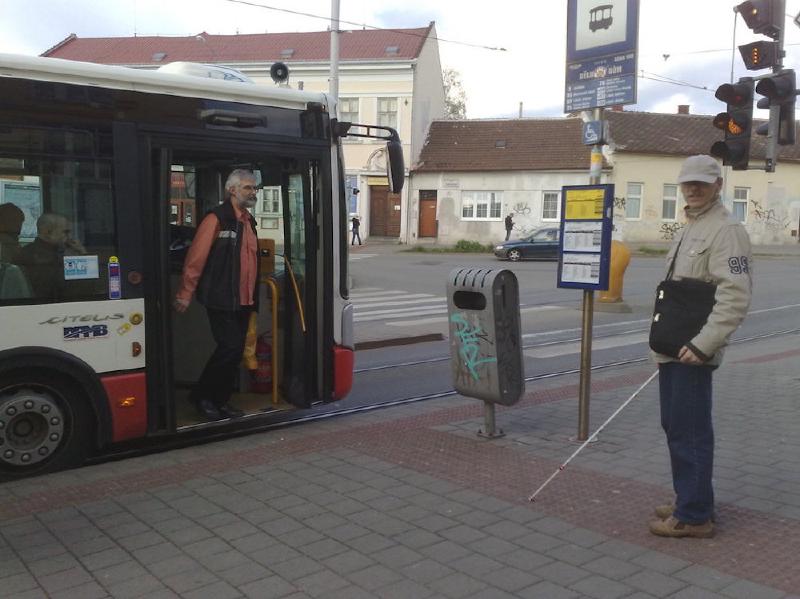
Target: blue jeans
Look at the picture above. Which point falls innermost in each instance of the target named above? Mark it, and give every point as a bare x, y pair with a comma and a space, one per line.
686, 419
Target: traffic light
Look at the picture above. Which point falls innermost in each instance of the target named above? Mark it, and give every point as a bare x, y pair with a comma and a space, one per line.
779, 92
760, 55
763, 16
737, 123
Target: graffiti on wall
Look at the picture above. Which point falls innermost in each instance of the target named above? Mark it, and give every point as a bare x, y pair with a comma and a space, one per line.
669, 230
768, 218
522, 209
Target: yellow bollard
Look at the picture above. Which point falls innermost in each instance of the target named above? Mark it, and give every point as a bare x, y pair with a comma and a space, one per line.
611, 300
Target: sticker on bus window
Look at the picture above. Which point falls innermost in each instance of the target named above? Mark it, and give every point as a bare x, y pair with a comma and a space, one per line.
114, 282
81, 267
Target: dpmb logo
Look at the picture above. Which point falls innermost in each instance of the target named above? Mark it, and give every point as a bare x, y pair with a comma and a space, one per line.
91, 331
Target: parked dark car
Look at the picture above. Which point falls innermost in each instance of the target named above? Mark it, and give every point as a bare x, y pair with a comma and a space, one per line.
542, 244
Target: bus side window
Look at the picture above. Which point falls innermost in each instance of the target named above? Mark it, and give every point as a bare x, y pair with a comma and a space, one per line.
67, 197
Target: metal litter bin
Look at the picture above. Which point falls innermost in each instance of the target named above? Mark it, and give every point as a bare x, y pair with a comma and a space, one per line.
485, 338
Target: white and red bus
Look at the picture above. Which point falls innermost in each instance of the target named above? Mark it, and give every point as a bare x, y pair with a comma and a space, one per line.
124, 163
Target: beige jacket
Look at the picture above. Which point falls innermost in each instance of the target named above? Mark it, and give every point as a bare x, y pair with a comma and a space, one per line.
714, 248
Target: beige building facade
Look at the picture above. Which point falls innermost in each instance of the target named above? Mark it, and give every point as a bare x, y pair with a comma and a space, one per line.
650, 206
471, 174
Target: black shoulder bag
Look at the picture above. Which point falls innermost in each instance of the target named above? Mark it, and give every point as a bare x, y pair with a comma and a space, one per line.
682, 308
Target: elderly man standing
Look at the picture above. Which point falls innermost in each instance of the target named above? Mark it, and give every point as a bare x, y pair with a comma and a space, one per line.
221, 268
715, 248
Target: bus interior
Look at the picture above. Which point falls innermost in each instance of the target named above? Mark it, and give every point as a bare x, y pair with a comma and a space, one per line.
275, 372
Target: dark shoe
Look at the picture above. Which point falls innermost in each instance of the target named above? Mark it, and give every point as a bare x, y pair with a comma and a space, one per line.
672, 527
207, 410
228, 411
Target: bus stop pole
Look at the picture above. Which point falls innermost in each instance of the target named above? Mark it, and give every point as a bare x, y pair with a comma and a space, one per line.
595, 170
334, 74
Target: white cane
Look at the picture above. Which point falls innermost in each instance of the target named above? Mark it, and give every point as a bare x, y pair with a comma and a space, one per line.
532, 498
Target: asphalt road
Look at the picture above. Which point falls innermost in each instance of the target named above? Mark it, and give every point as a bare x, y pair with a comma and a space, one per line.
402, 295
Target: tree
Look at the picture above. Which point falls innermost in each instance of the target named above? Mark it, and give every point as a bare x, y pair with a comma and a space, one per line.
455, 99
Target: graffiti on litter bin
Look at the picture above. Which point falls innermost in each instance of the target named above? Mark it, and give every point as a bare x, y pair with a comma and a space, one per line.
469, 340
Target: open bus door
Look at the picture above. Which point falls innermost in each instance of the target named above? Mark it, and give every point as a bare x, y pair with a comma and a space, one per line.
184, 174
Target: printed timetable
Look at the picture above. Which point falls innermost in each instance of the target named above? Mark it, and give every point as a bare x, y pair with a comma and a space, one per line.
586, 226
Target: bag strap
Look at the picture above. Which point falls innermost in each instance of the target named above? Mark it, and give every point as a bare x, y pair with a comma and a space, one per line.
675, 256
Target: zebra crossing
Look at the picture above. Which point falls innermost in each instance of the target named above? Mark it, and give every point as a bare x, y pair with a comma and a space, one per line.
398, 308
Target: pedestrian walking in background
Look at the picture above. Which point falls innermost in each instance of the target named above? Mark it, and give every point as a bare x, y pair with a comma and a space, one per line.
509, 224
356, 223
712, 247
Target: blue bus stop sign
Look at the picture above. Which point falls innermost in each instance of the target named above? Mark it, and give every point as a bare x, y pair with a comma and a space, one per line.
601, 53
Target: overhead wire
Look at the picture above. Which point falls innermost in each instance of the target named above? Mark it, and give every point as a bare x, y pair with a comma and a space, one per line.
367, 25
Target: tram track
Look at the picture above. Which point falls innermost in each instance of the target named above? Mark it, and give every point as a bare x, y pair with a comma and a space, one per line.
184, 440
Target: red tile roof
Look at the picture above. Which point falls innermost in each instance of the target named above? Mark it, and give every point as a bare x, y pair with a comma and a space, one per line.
502, 145
360, 44
555, 144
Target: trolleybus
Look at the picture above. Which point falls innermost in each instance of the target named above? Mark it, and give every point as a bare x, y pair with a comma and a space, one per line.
117, 166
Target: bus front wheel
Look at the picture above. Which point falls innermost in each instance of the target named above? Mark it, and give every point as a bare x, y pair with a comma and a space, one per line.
43, 425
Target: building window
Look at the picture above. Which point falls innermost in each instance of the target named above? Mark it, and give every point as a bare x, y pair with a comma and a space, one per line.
481, 205
270, 202
351, 188
669, 202
387, 112
550, 205
633, 200
741, 196
348, 110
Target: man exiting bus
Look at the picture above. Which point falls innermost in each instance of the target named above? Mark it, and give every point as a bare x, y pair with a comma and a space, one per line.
221, 267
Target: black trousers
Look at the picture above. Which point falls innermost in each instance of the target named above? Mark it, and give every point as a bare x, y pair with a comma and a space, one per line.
217, 381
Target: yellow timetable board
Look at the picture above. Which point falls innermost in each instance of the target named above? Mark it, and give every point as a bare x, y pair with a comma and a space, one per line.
583, 204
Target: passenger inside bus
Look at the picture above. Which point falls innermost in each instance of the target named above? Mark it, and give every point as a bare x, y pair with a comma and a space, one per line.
43, 259
13, 284
11, 219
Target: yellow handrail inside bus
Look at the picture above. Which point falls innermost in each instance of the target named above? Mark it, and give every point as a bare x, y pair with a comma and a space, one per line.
296, 294
273, 287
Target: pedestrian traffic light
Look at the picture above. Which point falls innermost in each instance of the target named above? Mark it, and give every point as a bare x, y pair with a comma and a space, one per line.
760, 55
736, 122
763, 16
779, 92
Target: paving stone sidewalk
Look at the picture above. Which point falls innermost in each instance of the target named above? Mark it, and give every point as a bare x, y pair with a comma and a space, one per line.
410, 503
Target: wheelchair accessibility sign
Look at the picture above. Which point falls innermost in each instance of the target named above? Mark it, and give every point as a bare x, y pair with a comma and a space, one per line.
594, 133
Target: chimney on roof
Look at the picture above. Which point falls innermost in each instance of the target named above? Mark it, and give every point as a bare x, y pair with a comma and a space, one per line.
683, 109
617, 108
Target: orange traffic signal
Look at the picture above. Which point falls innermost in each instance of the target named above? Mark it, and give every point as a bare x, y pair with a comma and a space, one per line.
736, 123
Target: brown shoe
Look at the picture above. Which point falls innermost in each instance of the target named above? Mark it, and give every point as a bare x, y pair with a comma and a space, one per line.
663, 512
672, 527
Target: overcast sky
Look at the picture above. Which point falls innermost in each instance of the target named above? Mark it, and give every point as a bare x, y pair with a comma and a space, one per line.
685, 40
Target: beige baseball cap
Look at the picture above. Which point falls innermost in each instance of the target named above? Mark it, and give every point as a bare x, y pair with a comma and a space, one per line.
700, 168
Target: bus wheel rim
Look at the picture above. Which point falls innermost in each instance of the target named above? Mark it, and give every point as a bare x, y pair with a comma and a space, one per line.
31, 428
